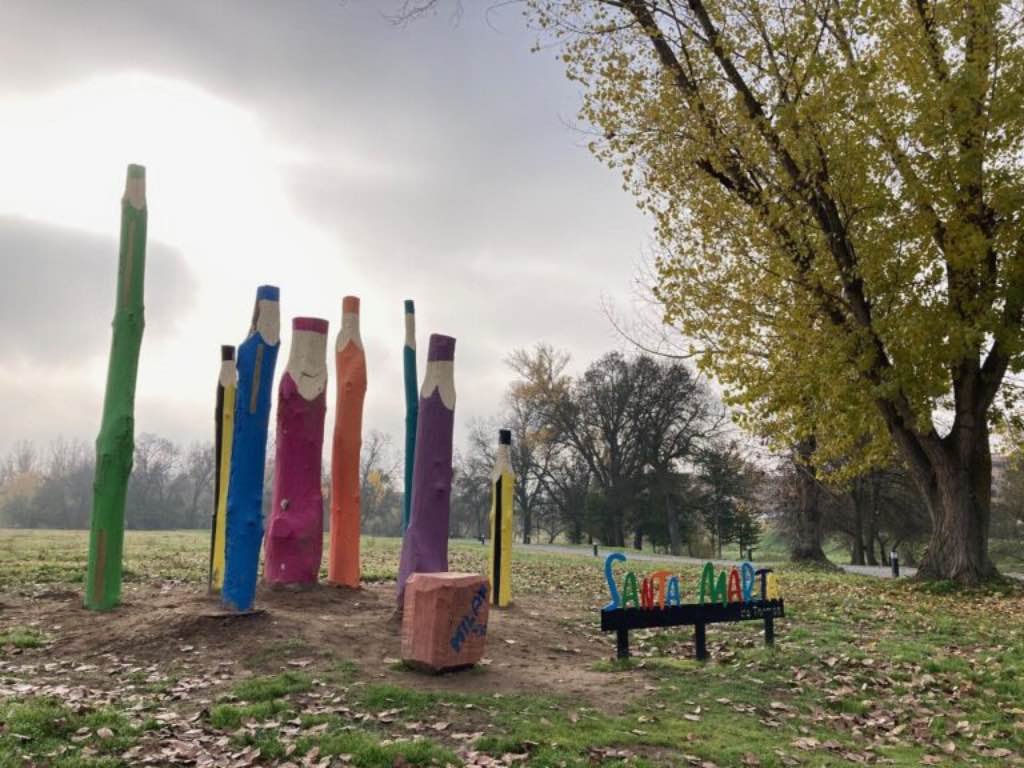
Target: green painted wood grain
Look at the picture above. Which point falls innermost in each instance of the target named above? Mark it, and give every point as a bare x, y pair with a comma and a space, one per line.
115, 445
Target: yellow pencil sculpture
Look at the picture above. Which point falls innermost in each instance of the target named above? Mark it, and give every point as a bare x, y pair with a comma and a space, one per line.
500, 566
225, 430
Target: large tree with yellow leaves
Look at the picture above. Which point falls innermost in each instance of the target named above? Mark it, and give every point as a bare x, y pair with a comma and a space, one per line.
837, 187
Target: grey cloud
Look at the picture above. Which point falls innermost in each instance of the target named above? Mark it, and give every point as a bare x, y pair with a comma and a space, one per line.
445, 165
57, 292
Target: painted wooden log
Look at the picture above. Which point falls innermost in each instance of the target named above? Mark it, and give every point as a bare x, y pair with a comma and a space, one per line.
343, 560
115, 444
295, 535
412, 405
257, 357
225, 422
503, 480
425, 545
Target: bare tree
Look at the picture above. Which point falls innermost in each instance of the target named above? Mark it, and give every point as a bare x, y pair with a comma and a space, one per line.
379, 470
196, 483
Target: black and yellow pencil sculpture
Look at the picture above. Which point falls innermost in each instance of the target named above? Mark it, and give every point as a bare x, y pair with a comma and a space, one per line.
503, 480
224, 418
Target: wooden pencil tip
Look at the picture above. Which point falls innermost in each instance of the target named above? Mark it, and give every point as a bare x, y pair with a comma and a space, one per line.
135, 187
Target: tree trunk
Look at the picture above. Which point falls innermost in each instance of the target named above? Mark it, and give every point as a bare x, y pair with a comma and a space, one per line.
869, 539
115, 444
256, 358
425, 544
343, 562
225, 432
412, 405
675, 543
960, 503
857, 547
638, 539
294, 543
805, 546
500, 561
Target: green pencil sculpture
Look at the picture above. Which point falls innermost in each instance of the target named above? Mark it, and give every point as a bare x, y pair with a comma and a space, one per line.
115, 445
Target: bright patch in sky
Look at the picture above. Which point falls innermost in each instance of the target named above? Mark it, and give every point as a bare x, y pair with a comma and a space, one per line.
216, 192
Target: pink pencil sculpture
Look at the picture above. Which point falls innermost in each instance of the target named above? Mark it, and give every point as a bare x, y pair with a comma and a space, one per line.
296, 533
425, 544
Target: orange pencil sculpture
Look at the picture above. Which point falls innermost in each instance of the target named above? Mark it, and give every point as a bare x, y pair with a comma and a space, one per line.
350, 362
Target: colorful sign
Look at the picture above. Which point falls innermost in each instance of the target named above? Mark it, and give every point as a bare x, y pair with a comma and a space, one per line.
662, 589
738, 594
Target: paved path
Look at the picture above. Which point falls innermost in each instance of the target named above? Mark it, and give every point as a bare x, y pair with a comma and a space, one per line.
880, 571
883, 572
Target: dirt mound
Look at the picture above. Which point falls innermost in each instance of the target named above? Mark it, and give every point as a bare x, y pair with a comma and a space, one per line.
531, 648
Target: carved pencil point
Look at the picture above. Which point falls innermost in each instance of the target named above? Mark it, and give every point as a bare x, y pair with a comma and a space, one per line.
425, 545
343, 566
295, 534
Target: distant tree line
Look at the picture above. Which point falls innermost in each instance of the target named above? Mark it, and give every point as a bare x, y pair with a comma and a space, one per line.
636, 450
170, 486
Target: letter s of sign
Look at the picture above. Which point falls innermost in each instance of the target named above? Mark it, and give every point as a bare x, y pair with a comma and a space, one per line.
612, 558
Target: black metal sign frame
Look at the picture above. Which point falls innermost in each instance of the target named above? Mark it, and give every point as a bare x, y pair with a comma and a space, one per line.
622, 620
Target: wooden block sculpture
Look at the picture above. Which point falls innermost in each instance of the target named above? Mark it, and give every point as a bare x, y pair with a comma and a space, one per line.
115, 444
503, 480
412, 405
350, 360
425, 544
444, 621
224, 420
257, 357
295, 534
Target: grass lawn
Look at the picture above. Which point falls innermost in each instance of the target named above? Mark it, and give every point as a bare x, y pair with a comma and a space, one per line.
864, 671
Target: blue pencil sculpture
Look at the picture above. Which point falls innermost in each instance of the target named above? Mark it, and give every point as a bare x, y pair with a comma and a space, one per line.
256, 357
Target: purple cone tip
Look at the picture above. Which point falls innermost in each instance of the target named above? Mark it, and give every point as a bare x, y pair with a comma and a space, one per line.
441, 347
315, 324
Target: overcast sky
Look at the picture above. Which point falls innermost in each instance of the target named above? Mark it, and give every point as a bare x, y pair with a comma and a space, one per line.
311, 145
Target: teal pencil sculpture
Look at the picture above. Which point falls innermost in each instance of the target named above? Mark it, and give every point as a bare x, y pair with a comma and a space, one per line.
412, 407
115, 446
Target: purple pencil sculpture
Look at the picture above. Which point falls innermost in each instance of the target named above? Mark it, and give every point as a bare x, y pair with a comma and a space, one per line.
296, 533
425, 545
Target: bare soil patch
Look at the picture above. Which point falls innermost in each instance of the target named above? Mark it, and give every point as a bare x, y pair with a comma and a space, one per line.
531, 648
